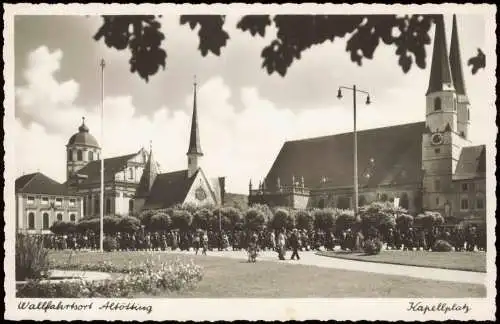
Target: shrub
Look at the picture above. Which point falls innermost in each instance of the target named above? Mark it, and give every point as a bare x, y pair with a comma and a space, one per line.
372, 246
442, 246
32, 261
149, 277
110, 244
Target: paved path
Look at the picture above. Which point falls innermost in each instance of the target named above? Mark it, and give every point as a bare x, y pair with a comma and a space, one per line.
312, 259
88, 275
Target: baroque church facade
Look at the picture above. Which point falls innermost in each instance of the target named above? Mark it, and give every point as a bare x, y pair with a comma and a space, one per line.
133, 182
428, 165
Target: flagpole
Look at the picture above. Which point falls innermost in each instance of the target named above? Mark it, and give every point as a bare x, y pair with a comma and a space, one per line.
101, 207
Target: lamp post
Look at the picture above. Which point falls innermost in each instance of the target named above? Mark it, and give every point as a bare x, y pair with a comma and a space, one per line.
339, 96
101, 207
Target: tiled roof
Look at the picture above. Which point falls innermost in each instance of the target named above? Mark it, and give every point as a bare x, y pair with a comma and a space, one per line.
472, 163
396, 153
39, 183
111, 166
169, 189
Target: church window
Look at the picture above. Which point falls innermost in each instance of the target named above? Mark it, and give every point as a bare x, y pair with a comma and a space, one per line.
437, 150
31, 200
480, 203
91, 156
404, 201
96, 205
45, 200
437, 201
130, 206
464, 204
72, 218
31, 220
84, 206
108, 206
59, 217
437, 104
79, 155
437, 185
45, 221
131, 173
70, 155
465, 186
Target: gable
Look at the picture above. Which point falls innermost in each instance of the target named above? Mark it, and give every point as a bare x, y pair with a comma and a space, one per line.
201, 191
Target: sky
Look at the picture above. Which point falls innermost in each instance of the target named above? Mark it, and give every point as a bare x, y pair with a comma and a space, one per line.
245, 115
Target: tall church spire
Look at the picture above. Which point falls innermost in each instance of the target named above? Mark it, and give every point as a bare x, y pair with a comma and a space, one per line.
194, 152
456, 61
148, 175
194, 141
440, 78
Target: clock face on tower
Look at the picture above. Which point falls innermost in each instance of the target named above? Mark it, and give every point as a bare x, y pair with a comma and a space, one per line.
437, 139
200, 194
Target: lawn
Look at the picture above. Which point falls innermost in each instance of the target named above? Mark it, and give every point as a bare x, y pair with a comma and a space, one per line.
465, 261
231, 278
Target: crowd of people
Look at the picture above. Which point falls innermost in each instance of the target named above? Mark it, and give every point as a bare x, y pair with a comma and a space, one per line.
462, 239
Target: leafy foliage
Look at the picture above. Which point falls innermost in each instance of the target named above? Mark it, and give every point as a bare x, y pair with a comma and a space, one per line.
324, 219
282, 219
372, 246
62, 227
32, 261
408, 34
110, 244
304, 220
442, 246
160, 221
429, 219
254, 218
404, 222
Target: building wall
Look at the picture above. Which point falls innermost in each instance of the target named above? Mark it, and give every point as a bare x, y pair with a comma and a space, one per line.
200, 182
38, 206
474, 192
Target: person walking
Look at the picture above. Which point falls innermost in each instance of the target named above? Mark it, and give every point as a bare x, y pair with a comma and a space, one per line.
281, 246
205, 244
294, 244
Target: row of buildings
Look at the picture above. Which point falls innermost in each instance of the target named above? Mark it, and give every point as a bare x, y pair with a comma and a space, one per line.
429, 165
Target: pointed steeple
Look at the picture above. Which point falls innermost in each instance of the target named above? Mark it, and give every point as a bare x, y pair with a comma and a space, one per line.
440, 78
194, 141
456, 61
148, 175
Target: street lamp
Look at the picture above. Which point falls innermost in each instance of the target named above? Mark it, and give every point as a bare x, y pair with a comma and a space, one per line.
339, 96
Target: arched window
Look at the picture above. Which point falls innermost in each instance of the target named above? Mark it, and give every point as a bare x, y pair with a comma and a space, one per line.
361, 200
480, 201
108, 206
404, 202
31, 220
437, 104
84, 206
72, 218
97, 205
91, 156
130, 206
321, 203
79, 155
59, 217
45, 221
70, 155
131, 173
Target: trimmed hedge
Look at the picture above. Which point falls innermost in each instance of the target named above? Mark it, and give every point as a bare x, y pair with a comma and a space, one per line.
372, 246
442, 246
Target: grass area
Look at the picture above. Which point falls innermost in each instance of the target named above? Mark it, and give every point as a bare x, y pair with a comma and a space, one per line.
466, 261
231, 278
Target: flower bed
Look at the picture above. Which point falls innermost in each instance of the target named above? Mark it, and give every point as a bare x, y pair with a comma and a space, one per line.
151, 277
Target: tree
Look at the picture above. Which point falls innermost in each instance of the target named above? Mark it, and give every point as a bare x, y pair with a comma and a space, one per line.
202, 219
409, 34
160, 221
282, 219
304, 220
61, 227
181, 219
404, 222
429, 219
233, 216
345, 219
324, 219
254, 219
128, 224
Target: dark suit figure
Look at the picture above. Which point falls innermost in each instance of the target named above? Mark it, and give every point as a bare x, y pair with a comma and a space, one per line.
294, 244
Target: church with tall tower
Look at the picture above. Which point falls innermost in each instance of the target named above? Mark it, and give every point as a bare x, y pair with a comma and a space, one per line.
424, 166
192, 185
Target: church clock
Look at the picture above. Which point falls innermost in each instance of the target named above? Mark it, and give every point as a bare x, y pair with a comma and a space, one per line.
437, 139
200, 194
